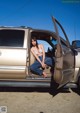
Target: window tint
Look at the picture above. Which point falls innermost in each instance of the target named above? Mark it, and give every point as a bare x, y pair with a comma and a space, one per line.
12, 38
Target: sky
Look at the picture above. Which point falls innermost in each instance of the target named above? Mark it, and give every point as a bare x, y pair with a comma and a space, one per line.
37, 14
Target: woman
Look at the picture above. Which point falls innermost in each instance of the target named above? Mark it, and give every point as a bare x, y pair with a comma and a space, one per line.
41, 60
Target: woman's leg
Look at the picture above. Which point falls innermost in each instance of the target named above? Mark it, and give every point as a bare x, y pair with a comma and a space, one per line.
49, 61
35, 67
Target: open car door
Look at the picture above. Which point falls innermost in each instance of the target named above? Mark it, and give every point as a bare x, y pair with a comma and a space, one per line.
64, 58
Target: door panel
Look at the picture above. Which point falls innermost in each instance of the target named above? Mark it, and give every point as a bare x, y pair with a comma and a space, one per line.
68, 64
64, 65
12, 63
58, 64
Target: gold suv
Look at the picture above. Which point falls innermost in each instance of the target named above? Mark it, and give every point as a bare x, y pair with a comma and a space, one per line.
15, 58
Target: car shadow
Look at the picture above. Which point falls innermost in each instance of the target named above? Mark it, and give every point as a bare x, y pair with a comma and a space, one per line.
51, 91
61, 90
76, 90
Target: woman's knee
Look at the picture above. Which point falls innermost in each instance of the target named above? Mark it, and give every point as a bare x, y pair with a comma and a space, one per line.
48, 60
31, 68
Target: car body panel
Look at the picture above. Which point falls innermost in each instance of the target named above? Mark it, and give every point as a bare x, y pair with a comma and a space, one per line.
13, 62
77, 60
76, 47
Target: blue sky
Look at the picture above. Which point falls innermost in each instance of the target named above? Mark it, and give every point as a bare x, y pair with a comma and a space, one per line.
37, 14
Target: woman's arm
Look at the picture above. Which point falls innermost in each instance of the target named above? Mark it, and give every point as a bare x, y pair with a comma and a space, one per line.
36, 56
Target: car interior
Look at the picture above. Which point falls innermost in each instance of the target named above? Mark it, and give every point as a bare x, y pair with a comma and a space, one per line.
49, 43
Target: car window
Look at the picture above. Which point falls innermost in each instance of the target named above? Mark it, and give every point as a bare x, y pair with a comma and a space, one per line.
62, 33
53, 41
11, 38
45, 44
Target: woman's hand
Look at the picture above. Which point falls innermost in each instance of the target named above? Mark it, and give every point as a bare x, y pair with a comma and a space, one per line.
43, 65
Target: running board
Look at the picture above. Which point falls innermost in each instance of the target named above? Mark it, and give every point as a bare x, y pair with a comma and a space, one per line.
32, 84
24, 84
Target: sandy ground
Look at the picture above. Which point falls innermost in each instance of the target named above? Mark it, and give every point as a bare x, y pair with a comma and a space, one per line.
23, 100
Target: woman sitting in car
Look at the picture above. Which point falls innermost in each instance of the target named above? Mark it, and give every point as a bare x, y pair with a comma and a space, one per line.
41, 60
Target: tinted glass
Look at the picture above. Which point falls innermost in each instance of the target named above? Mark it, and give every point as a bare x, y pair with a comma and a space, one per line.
12, 38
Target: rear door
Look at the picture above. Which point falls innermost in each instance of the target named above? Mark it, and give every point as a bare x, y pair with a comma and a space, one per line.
12, 54
64, 65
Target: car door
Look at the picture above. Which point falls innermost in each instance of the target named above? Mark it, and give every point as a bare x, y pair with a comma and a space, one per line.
12, 54
64, 64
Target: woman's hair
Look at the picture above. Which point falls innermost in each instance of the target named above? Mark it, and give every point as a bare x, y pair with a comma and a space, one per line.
34, 38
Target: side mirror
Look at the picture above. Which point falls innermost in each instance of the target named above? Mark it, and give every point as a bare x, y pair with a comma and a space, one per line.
76, 44
74, 48
73, 44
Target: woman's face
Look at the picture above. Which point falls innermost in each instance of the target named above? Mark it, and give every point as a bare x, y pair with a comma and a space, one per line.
33, 42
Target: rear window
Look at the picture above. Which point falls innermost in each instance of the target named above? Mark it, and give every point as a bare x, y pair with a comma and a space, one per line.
12, 38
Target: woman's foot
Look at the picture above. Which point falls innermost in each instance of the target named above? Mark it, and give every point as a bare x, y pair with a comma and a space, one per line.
45, 75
